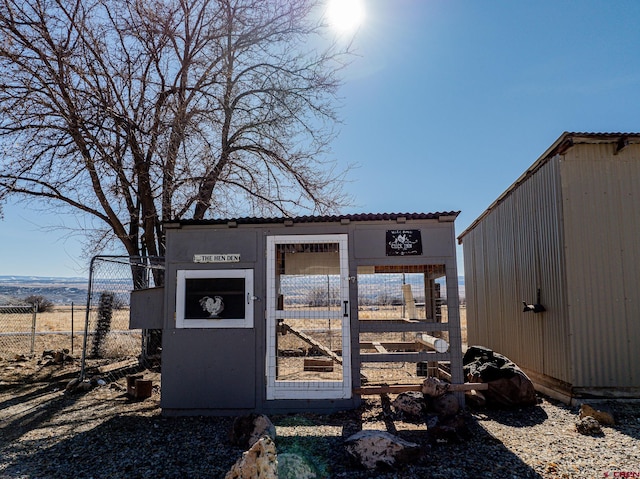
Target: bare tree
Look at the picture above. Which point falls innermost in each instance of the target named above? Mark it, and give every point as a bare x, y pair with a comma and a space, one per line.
135, 112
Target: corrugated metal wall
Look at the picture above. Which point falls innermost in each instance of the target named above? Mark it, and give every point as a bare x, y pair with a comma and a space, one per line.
511, 252
601, 196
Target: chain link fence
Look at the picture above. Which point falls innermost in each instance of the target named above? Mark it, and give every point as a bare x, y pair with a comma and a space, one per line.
17, 330
109, 347
27, 332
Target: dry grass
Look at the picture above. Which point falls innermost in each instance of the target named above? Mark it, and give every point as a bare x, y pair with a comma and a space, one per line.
61, 328
60, 319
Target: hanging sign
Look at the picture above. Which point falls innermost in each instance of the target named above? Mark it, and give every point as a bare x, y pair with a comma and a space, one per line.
217, 258
404, 243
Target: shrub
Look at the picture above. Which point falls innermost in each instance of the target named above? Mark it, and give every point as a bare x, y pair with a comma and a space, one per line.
42, 303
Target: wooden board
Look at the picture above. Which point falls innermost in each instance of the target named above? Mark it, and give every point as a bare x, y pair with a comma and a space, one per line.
318, 365
401, 388
308, 339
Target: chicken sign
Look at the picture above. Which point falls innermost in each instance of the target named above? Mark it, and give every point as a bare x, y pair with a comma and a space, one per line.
404, 242
214, 306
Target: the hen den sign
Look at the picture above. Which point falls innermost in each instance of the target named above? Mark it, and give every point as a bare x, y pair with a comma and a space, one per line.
217, 258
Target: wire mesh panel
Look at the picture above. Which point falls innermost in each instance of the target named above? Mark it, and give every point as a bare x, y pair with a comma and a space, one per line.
26, 331
308, 317
17, 330
394, 302
108, 338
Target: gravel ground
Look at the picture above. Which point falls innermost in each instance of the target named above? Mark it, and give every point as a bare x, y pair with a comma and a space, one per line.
46, 433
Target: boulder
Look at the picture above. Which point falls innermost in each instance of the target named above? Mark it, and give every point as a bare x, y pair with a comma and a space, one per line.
588, 426
602, 416
78, 386
434, 387
445, 405
475, 398
259, 461
447, 428
410, 405
375, 449
294, 466
508, 384
246, 430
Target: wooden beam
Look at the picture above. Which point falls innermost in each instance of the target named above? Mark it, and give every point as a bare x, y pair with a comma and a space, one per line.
402, 357
395, 345
320, 365
399, 326
308, 339
401, 388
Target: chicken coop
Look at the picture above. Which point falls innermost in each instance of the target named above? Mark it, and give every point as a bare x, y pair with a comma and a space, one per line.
282, 315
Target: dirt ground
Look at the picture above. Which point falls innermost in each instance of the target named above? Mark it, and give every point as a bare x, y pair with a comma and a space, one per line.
103, 433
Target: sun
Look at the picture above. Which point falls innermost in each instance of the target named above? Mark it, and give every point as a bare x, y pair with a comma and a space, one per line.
345, 16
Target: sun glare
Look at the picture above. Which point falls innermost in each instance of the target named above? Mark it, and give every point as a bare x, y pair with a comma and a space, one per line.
345, 16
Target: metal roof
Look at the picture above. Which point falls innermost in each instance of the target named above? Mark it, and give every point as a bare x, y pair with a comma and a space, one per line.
559, 147
441, 216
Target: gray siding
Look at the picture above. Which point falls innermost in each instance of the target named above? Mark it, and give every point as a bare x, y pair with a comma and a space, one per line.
223, 370
601, 195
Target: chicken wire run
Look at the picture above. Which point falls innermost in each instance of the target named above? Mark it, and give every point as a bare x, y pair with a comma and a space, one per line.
401, 295
107, 337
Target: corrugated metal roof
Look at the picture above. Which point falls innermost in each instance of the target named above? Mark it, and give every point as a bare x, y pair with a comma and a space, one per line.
561, 145
448, 216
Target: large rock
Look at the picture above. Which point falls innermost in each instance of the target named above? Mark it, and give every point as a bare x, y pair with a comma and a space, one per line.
248, 429
410, 405
259, 461
434, 387
588, 426
375, 449
294, 466
447, 428
445, 405
508, 384
602, 416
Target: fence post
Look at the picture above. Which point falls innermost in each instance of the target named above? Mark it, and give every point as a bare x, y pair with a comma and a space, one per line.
86, 319
33, 328
72, 330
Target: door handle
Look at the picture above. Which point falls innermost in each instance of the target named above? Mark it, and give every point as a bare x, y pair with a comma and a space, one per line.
346, 309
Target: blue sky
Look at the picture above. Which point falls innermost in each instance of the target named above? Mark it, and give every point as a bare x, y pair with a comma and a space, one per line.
448, 102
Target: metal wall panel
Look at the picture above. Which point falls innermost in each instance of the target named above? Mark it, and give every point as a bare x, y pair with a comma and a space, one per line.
602, 225
514, 250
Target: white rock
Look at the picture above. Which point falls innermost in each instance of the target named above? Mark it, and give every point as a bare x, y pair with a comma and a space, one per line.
411, 404
434, 387
259, 461
379, 448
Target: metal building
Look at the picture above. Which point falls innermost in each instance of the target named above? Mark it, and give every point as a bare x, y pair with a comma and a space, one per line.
295, 314
563, 239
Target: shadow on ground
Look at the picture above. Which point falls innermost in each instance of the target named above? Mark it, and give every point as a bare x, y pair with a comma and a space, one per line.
476, 453
136, 447
516, 417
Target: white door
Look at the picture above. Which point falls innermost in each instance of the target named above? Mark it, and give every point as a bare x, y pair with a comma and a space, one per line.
308, 327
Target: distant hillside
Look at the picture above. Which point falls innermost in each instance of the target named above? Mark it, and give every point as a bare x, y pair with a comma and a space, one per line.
13, 289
